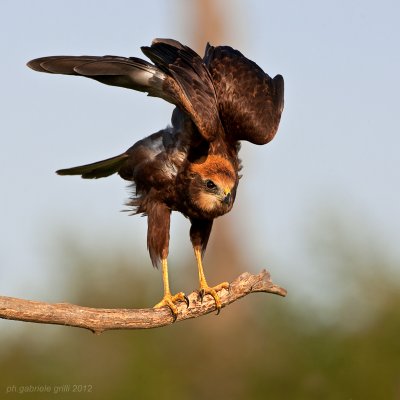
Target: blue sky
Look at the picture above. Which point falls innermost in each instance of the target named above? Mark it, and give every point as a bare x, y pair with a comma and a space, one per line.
337, 147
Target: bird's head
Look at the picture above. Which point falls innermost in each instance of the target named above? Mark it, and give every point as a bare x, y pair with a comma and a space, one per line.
212, 186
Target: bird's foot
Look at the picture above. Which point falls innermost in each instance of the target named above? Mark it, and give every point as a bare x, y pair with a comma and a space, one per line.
205, 289
169, 300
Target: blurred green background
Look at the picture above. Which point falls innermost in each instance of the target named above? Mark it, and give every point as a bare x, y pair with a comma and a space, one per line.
260, 347
318, 207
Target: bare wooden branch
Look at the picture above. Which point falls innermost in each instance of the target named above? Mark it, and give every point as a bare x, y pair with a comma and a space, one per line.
101, 319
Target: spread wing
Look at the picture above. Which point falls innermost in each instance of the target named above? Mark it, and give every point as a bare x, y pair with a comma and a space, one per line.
225, 92
131, 73
179, 76
250, 102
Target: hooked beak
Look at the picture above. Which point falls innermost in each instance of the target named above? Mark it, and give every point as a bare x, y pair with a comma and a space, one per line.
228, 197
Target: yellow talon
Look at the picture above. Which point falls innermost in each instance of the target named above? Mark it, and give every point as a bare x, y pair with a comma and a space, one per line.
169, 300
204, 288
212, 291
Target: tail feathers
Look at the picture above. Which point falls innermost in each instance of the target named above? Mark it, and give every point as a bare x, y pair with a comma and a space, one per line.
99, 169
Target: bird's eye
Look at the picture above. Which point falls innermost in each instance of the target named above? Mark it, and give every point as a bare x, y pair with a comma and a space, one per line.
210, 184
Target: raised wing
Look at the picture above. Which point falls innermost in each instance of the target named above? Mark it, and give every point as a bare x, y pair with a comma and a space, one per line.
179, 76
250, 103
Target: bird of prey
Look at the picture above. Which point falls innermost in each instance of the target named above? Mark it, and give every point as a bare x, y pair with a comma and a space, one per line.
192, 165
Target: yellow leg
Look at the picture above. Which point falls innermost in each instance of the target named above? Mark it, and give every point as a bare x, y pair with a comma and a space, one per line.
204, 288
169, 299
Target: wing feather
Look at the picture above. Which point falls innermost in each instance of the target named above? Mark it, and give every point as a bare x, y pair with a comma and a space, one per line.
192, 83
65, 63
132, 73
179, 76
250, 102
225, 94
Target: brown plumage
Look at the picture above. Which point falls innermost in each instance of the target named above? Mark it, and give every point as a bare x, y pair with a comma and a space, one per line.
192, 166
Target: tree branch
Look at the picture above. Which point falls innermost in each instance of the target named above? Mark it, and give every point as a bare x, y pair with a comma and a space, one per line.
99, 320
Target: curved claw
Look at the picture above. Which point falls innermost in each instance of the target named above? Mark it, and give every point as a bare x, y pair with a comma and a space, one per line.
201, 294
212, 291
168, 301
173, 315
186, 300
